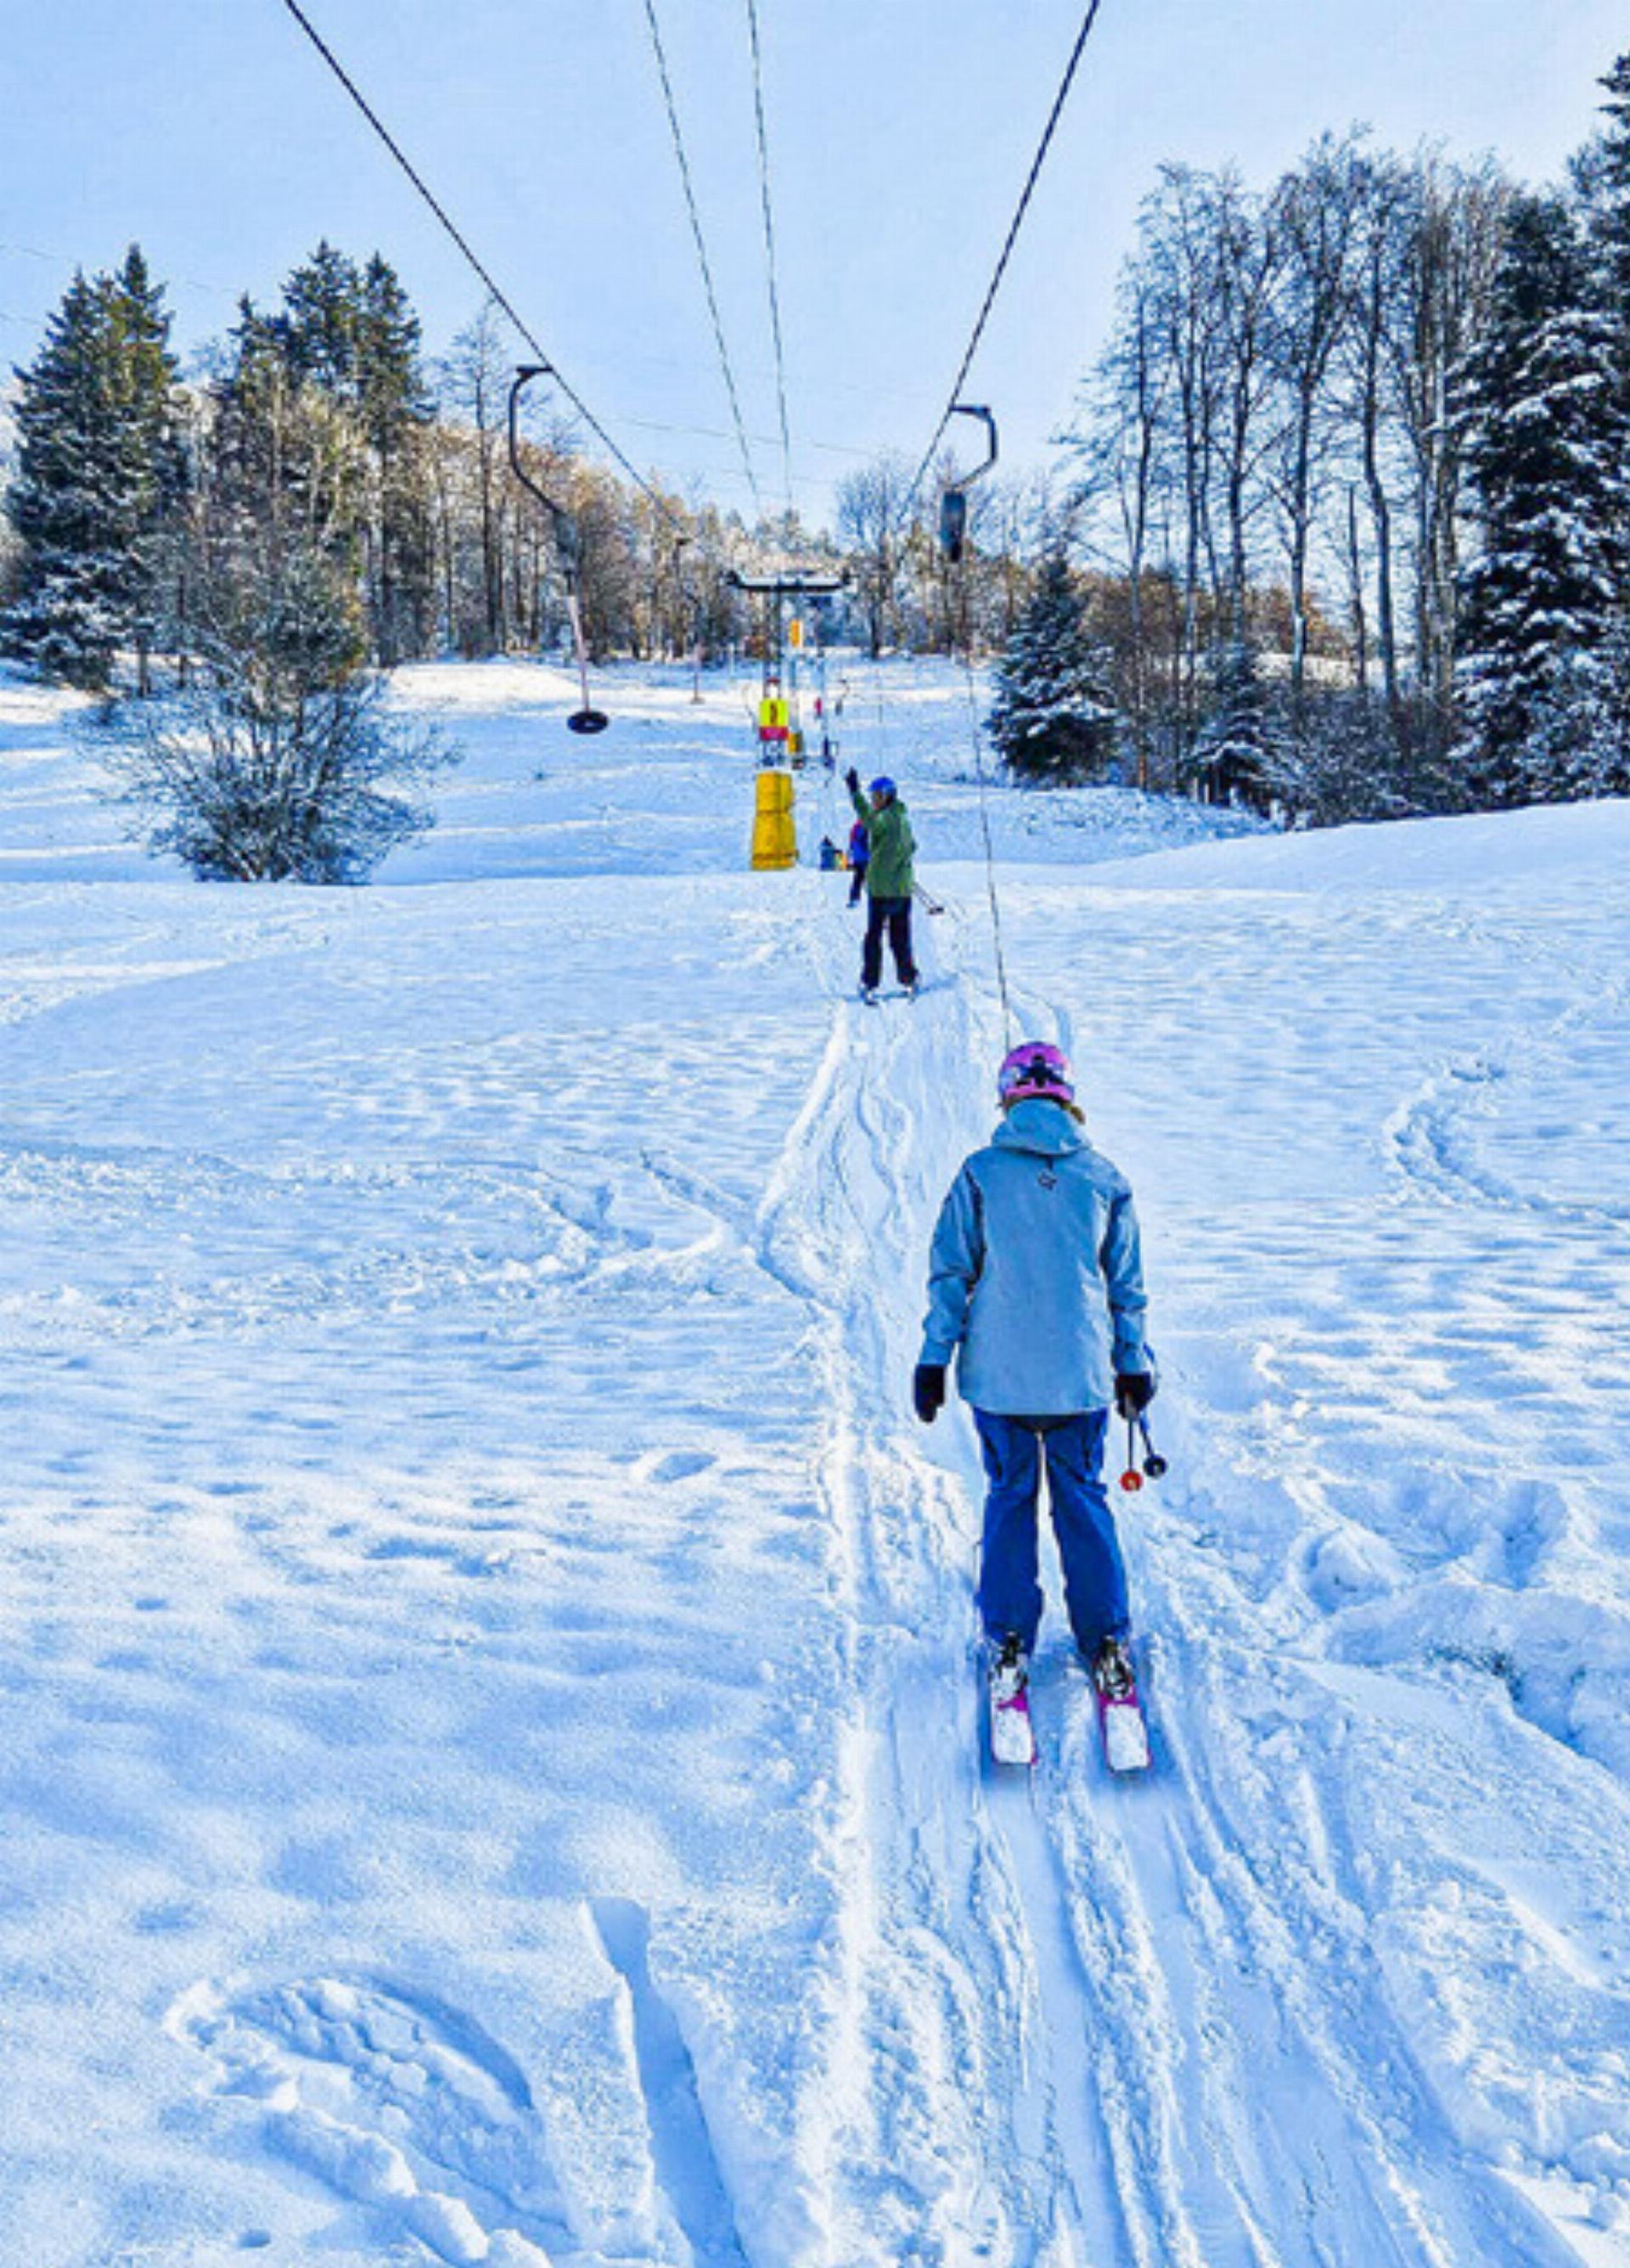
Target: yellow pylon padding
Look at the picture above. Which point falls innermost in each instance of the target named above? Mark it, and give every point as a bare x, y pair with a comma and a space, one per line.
775, 835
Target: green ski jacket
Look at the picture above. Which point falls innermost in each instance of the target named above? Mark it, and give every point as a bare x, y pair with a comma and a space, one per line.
888, 834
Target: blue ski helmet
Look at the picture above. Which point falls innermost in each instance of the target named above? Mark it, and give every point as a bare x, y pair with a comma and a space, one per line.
882, 785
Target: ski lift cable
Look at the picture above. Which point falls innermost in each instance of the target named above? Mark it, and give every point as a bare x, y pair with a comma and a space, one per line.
1014, 226
471, 257
953, 533
975, 734
717, 433
769, 247
703, 260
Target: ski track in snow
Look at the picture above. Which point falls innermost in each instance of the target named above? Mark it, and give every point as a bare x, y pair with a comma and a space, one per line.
1151, 1975
487, 1644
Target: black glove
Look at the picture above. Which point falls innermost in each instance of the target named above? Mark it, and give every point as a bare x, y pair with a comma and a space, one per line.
1134, 1390
928, 1390
851, 780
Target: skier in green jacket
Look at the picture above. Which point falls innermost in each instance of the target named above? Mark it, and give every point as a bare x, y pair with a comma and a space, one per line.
890, 881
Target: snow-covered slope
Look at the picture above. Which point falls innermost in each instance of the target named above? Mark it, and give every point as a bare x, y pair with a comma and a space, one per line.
486, 1692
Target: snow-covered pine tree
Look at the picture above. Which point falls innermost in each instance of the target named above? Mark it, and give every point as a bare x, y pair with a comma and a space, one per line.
1239, 755
397, 408
349, 334
284, 459
1543, 700
318, 328
102, 469
1603, 173
1054, 719
276, 758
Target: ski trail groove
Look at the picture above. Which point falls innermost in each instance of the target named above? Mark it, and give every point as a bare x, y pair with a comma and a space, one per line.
681, 2148
939, 1950
1109, 2028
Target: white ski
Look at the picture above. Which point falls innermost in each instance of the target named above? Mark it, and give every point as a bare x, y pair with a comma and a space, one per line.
1125, 1734
1013, 1736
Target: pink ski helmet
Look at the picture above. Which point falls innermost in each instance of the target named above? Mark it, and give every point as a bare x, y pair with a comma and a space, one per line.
1034, 1068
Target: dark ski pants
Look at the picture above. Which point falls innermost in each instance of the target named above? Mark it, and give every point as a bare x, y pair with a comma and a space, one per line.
1095, 1579
857, 883
896, 912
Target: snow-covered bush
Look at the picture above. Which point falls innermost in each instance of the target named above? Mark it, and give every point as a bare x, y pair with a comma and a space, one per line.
275, 760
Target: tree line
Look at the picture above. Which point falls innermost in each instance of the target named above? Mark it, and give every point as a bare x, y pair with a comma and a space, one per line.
1342, 527
323, 419
1351, 492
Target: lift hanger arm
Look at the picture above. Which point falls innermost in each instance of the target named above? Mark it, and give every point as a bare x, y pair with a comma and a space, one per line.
568, 548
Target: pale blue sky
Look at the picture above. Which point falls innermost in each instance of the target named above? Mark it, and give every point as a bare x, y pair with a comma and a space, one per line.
900, 131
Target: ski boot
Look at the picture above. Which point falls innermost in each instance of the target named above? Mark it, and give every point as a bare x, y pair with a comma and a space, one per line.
1112, 1672
1013, 1739
1120, 1712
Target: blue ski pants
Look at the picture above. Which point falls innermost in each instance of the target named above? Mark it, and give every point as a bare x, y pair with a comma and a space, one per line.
1094, 1578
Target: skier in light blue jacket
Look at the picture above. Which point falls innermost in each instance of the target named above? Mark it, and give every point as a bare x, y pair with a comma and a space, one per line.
1035, 1284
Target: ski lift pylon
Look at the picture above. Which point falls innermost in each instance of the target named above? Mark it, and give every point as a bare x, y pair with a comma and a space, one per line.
815, 583
568, 549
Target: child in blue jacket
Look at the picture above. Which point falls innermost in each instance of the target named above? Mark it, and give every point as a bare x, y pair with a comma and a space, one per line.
1036, 1285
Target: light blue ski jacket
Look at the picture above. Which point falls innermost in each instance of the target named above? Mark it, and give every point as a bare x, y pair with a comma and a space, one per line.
1036, 1272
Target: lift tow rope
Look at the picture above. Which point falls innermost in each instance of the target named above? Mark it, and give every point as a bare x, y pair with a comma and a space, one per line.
977, 736
769, 249
703, 260
499, 296
1017, 222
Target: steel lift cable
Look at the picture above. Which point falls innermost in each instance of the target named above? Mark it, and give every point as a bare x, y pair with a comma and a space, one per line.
700, 241
1014, 226
769, 248
767, 441
976, 734
953, 542
472, 259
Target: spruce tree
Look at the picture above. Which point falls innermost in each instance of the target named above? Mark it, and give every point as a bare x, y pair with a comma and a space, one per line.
349, 334
1540, 677
284, 457
101, 470
396, 407
1605, 178
1053, 720
1239, 755
319, 326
